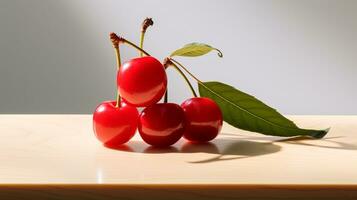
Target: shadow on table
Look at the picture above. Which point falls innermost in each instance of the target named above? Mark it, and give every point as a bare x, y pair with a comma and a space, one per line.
336, 144
222, 149
231, 149
330, 142
235, 146
141, 147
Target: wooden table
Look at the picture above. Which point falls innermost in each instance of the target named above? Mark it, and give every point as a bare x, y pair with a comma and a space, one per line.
58, 157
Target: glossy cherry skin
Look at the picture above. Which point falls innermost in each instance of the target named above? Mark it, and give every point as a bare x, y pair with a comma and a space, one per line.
162, 124
204, 119
142, 81
114, 126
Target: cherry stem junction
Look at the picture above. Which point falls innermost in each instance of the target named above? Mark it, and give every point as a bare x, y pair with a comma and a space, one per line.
186, 70
170, 62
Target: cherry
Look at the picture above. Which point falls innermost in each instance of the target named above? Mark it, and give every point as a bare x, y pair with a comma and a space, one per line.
204, 119
113, 125
142, 81
162, 124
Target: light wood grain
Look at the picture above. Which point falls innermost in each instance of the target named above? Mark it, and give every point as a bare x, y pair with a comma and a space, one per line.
59, 154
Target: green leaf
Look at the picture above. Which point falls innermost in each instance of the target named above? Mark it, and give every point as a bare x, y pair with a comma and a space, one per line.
244, 111
194, 50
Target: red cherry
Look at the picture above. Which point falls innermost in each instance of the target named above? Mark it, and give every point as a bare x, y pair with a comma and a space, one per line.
204, 119
114, 126
142, 81
162, 124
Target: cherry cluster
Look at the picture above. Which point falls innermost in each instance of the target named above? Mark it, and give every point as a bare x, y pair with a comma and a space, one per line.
142, 82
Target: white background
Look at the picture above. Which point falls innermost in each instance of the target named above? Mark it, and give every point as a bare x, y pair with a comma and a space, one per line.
297, 56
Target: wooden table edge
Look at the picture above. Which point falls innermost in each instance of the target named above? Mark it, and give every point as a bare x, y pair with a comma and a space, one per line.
181, 185
178, 191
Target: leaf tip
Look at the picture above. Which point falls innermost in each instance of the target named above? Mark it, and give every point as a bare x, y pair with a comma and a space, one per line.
320, 134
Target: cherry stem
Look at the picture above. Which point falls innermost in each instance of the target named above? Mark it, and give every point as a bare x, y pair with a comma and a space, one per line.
171, 62
146, 23
117, 53
116, 40
141, 43
135, 46
166, 96
186, 70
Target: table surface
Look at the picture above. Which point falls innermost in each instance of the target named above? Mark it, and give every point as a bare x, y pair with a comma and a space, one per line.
62, 149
